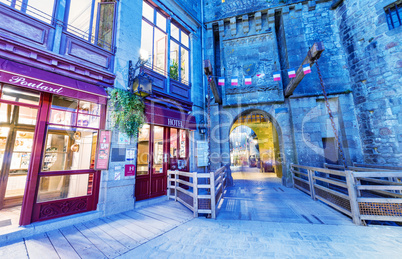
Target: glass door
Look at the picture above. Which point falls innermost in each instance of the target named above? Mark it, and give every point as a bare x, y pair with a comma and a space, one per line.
142, 185
18, 119
152, 161
158, 174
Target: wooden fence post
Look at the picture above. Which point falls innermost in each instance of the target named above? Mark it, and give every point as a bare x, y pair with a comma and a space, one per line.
195, 193
311, 182
168, 184
213, 202
352, 191
175, 185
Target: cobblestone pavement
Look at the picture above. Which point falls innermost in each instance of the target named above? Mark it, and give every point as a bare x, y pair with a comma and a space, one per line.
259, 218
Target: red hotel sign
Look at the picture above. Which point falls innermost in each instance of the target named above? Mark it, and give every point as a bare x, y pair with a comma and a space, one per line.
102, 156
129, 170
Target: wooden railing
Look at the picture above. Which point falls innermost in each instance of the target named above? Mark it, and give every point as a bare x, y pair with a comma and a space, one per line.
200, 192
361, 193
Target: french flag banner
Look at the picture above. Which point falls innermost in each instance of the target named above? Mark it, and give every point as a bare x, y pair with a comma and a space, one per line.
247, 80
221, 81
306, 69
277, 76
291, 73
235, 81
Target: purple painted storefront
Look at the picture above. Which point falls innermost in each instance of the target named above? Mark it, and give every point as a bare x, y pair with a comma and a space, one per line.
49, 125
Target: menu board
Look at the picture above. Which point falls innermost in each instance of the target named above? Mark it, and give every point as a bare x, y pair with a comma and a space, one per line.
202, 153
103, 150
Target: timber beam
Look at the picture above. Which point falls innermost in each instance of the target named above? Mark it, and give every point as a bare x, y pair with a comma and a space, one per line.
212, 82
312, 56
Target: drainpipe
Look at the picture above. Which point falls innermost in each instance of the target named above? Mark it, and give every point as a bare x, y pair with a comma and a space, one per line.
203, 57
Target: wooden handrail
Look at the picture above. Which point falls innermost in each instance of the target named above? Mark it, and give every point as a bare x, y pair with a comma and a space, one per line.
216, 185
373, 207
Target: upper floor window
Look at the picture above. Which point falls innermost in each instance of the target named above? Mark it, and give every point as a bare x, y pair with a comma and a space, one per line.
394, 15
179, 54
154, 37
154, 41
92, 20
40, 9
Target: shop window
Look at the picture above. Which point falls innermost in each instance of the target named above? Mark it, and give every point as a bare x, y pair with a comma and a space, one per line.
93, 20
72, 135
40, 9
154, 38
69, 149
13, 94
64, 187
179, 55
394, 15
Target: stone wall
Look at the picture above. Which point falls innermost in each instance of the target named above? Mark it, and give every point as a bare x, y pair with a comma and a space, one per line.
117, 193
374, 55
216, 10
311, 125
303, 25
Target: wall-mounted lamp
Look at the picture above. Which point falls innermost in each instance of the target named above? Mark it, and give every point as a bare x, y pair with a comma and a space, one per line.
141, 84
201, 127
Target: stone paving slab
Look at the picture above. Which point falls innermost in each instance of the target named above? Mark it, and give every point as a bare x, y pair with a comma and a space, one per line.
205, 238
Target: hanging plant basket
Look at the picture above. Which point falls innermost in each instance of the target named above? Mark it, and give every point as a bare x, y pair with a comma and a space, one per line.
127, 111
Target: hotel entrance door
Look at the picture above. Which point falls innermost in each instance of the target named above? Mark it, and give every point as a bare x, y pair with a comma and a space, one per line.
151, 162
159, 149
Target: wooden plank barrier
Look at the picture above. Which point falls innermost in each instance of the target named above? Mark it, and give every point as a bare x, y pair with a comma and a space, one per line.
363, 193
200, 196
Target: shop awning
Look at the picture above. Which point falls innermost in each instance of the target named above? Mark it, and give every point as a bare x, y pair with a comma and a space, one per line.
169, 117
17, 74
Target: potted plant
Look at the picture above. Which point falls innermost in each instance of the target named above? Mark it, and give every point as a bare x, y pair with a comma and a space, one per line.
127, 111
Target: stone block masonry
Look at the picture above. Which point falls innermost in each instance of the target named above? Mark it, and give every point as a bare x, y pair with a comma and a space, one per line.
374, 56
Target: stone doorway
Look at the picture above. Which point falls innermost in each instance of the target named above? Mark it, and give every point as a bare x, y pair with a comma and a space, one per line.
254, 142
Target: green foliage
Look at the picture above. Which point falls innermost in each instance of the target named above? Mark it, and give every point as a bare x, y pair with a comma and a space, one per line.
174, 70
127, 111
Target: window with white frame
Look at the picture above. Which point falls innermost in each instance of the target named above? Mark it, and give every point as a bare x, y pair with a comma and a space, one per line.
154, 40
40, 9
154, 37
179, 54
92, 20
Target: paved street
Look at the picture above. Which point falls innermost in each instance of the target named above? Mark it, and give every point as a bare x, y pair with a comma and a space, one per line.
259, 218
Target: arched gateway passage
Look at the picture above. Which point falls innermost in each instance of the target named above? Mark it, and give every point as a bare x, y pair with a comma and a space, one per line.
254, 143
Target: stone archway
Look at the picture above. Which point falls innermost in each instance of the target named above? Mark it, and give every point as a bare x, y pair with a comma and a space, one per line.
269, 137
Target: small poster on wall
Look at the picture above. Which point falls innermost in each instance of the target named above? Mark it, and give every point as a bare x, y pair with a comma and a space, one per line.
103, 150
202, 153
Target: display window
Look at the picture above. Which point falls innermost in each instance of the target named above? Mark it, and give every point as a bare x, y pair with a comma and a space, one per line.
47, 154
